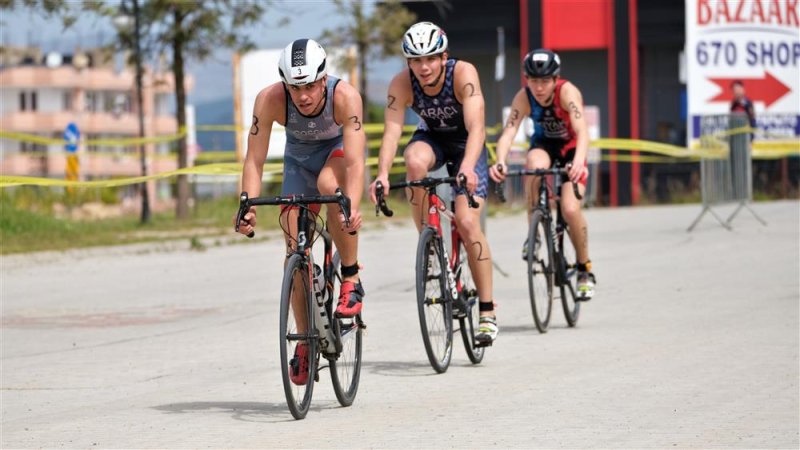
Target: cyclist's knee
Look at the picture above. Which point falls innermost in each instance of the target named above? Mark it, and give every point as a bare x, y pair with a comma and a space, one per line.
418, 161
416, 168
327, 183
538, 159
469, 227
571, 209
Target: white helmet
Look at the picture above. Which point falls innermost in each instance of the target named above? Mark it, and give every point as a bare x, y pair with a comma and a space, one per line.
302, 62
424, 39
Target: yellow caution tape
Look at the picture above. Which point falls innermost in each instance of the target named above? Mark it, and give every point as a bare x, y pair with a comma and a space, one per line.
709, 147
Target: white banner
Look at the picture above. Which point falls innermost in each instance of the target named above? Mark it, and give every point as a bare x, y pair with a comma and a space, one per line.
756, 42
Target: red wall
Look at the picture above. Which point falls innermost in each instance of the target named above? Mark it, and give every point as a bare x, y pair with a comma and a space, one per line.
587, 24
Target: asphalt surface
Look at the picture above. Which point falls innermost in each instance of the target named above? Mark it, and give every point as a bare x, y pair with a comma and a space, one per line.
691, 341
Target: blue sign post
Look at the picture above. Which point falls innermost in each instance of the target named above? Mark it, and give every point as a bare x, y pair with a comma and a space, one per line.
71, 135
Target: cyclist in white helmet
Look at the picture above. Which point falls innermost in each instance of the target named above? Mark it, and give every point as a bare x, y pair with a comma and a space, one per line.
446, 94
324, 150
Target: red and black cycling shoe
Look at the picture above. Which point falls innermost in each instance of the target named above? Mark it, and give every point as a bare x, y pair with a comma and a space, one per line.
298, 365
350, 297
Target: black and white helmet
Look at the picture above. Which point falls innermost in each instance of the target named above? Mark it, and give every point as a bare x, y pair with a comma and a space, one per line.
542, 63
302, 62
424, 39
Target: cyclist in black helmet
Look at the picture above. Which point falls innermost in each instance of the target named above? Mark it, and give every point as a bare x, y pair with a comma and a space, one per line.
560, 135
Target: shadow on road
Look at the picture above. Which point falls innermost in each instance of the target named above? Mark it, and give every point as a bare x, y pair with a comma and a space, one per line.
531, 329
399, 368
245, 411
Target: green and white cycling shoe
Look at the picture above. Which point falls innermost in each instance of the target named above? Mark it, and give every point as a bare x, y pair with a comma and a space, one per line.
585, 286
487, 331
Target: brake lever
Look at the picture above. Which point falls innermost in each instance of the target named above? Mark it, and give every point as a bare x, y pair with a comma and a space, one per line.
575, 189
462, 181
381, 205
244, 207
344, 205
499, 188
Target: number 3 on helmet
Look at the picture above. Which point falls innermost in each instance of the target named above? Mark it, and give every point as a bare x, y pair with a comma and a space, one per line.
302, 62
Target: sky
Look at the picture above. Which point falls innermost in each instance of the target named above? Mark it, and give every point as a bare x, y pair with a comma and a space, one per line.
307, 18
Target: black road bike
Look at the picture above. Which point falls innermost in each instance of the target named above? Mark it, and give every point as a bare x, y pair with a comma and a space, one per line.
307, 306
550, 254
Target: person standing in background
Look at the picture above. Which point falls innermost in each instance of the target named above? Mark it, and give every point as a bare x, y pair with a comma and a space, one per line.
742, 104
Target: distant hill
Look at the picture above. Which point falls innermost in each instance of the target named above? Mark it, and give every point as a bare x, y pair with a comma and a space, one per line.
215, 112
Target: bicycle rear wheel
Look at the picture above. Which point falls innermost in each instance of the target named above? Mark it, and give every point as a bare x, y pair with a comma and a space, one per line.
296, 307
469, 299
435, 311
346, 368
540, 270
568, 277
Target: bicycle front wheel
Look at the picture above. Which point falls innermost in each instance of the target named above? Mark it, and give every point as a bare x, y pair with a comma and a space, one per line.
568, 277
346, 367
435, 311
469, 300
298, 337
540, 270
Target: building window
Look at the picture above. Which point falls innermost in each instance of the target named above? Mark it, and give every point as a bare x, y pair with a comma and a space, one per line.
91, 101
67, 101
27, 101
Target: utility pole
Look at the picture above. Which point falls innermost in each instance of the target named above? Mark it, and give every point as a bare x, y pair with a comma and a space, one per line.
142, 157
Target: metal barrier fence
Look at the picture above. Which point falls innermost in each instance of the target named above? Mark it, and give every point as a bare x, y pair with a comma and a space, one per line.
726, 170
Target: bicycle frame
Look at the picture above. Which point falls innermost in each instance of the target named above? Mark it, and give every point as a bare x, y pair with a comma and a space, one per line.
543, 204
436, 207
321, 315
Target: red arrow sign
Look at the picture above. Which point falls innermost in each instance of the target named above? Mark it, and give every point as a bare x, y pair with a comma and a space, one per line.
768, 89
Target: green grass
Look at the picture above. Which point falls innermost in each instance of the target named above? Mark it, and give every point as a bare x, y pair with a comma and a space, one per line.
24, 230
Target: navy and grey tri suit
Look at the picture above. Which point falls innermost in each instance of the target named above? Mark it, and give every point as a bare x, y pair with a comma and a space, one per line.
442, 127
310, 142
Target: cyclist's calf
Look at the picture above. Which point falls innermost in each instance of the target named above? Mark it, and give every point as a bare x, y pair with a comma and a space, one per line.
468, 220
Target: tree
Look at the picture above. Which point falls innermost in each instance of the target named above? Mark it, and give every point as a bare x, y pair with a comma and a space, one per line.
188, 31
376, 35
183, 30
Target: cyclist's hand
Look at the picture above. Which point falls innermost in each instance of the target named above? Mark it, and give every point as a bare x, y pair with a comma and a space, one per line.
355, 221
578, 170
248, 225
384, 179
498, 172
472, 178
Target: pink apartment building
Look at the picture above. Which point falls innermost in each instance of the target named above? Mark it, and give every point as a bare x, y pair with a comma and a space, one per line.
41, 95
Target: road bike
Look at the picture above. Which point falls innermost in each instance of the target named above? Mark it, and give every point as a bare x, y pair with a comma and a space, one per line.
307, 306
444, 283
550, 254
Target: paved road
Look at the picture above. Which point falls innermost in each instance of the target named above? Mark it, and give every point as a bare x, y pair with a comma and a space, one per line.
691, 342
